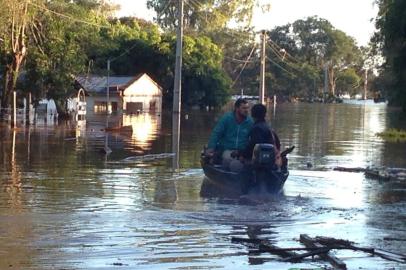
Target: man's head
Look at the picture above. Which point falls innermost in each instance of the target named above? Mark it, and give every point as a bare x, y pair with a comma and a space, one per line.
258, 112
241, 107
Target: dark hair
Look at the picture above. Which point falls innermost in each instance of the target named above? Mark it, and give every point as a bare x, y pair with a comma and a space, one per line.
240, 101
258, 111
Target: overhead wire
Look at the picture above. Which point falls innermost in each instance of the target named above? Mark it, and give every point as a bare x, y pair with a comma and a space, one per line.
199, 6
127, 51
280, 48
159, 14
282, 68
68, 16
282, 59
245, 64
239, 60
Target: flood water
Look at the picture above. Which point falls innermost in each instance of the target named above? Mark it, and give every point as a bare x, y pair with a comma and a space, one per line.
66, 205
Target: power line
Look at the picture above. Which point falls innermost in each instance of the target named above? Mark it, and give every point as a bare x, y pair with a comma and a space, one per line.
279, 66
271, 42
281, 58
194, 4
68, 16
245, 64
89, 23
159, 14
239, 60
126, 51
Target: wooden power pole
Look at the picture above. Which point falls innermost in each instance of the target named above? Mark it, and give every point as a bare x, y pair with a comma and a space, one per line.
177, 90
261, 96
366, 84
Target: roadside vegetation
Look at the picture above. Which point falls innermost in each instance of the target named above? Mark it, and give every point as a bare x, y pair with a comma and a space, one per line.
45, 44
393, 135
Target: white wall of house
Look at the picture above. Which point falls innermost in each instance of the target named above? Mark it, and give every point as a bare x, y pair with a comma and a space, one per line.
144, 93
96, 103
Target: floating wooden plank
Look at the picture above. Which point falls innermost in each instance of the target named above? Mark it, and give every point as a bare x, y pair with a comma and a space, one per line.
389, 255
345, 169
314, 252
394, 239
377, 175
264, 246
311, 242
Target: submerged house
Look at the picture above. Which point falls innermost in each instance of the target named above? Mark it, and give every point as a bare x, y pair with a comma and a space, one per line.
126, 94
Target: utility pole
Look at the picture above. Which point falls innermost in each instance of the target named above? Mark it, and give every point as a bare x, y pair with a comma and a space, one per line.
14, 109
366, 83
106, 148
108, 86
261, 96
177, 90
28, 112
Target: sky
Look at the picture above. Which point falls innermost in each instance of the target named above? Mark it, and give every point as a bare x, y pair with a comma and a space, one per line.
351, 16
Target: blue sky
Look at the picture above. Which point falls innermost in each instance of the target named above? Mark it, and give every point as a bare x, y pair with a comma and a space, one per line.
351, 16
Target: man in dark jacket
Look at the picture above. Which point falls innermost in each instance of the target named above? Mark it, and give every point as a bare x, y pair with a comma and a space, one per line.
261, 133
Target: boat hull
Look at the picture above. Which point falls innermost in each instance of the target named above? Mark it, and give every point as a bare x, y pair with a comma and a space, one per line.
249, 181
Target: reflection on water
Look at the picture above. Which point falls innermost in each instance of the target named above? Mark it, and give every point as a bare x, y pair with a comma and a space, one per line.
340, 135
145, 128
60, 199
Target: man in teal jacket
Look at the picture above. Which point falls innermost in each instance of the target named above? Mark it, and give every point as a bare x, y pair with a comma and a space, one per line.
231, 132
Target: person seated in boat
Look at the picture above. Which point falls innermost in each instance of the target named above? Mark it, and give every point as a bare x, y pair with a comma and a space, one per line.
261, 132
231, 134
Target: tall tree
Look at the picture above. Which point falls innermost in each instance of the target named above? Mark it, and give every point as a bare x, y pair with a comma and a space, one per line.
16, 16
391, 40
312, 43
60, 46
203, 15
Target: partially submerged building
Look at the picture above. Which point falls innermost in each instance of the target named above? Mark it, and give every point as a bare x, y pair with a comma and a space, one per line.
126, 94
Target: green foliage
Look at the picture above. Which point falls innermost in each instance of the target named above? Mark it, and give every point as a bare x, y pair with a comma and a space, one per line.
203, 82
76, 38
310, 44
393, 135
15, 17
203, 15
57, 51
348, 81
391, 40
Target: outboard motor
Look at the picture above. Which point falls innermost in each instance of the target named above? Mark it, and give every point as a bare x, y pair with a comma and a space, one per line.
264, 155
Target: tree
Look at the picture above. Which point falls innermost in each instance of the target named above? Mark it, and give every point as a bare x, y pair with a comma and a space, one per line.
60, 47
302, 50
15, 18
203, 15
144, 49
348, 81
391, 41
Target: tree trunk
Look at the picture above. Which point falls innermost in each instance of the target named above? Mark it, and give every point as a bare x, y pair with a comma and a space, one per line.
17, 51
332, 81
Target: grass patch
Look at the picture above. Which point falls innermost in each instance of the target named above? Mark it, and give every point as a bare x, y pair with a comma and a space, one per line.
393, 135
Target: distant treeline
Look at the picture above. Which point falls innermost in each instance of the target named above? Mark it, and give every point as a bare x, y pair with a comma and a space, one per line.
44, 44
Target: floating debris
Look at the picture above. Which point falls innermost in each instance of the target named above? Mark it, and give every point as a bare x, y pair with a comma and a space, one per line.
318, 246
150, 157
378, 173
393, 135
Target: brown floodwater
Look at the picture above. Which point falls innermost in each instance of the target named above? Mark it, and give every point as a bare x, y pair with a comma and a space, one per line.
64, 204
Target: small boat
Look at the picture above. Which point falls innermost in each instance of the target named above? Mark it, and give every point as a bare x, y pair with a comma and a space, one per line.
257, 177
